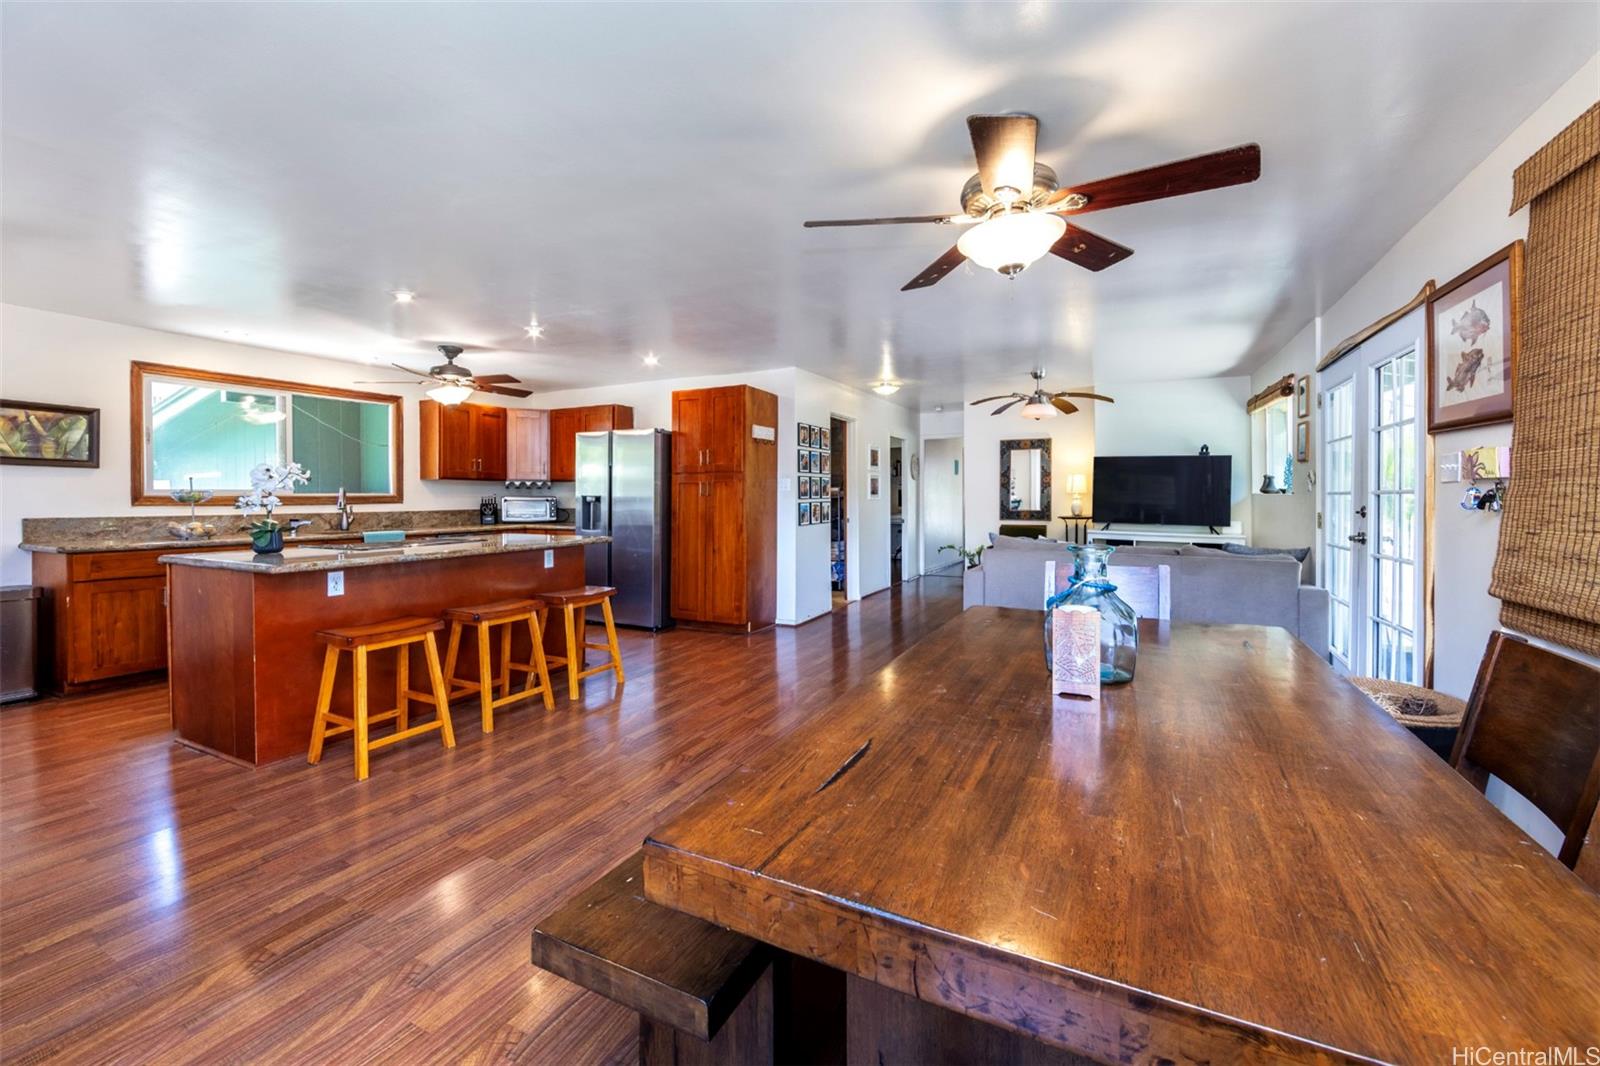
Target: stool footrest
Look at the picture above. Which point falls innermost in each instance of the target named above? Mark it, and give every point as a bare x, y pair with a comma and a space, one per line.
406, 734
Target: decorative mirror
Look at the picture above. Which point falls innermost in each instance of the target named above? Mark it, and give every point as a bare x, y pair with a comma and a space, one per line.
1025, 480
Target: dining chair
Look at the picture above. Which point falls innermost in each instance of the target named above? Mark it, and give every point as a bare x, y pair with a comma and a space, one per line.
1147, 589
1533, 721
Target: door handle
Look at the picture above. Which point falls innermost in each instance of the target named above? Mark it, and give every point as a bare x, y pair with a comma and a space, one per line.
1358, 538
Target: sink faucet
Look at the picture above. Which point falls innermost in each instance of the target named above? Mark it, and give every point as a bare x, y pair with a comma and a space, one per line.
347, 513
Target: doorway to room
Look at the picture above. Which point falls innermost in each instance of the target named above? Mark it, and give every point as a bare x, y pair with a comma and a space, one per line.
897, 515
839, 519
942, 519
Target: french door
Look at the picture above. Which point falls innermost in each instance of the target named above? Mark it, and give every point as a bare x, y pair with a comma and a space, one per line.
1370, 472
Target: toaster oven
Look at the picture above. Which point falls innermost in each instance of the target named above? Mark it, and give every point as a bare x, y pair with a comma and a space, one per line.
528, 509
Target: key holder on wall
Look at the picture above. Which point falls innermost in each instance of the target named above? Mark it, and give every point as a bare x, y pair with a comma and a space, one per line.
1480, 499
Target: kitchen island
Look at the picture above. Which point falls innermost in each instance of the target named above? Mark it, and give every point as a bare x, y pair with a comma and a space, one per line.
244, 659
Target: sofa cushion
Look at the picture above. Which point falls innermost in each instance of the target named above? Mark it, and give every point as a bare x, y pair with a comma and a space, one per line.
1006, 543
1299, 555
1200, 549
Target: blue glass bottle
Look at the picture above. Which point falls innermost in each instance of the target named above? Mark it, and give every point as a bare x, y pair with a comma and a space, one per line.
1091, 586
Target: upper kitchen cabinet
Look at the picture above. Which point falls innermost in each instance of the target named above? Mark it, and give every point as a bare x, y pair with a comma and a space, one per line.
712, 429
527, 445
463, 442
567, 422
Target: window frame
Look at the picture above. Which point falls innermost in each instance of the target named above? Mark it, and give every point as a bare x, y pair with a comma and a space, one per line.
1260, 438
140, 432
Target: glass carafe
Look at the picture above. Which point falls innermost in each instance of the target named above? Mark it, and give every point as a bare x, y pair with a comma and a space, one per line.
1091, 586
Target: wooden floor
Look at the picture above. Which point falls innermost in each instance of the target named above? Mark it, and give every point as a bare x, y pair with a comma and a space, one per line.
159, 905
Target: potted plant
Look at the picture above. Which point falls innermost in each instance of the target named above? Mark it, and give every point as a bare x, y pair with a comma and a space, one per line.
266, 481
973, 558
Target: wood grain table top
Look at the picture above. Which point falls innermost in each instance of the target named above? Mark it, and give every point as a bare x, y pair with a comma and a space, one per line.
1235, 853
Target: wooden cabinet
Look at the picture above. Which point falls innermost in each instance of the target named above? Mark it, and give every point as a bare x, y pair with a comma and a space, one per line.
104, 614
463, 442
724, 506
567, 422
527, 445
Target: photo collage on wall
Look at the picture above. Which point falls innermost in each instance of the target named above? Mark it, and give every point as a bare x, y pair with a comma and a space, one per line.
816, 474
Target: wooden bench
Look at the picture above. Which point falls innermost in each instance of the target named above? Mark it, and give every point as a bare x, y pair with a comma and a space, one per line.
703, 993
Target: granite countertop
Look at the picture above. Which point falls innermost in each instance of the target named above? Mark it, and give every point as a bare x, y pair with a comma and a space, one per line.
295, 560
74, 543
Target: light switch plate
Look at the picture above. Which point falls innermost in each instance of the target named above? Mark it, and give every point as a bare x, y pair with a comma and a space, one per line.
336, 582
549, 558
1450, 467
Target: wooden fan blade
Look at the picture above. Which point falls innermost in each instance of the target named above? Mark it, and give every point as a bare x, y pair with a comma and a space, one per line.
1089, 250
1003, 146
1008, 406
1088, 396
501, 390
1231, 166
893, 220
1066, 407
936, 270
991, 399
495, 379
390, 382
408, 370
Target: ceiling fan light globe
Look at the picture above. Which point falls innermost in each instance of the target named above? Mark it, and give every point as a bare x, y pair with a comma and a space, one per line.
450, 394
886, 388
1008, 243
1038, 411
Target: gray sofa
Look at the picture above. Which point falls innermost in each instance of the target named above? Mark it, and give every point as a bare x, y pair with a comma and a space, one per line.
1208, 584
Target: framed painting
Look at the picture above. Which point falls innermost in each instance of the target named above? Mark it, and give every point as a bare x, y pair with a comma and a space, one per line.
1302, 442
1302, 396
49, 434
1473, 323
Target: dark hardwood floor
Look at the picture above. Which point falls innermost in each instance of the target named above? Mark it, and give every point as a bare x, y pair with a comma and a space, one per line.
159, 905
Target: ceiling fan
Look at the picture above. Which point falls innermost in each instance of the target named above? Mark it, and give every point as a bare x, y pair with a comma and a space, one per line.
456, 383
1014, 203
1040, 404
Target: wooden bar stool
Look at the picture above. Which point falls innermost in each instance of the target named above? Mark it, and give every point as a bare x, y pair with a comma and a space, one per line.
483, 618
574, 602
400, 633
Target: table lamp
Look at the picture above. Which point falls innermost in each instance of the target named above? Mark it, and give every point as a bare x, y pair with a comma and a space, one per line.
1077, 484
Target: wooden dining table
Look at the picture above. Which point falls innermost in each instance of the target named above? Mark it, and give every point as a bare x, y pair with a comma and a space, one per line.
1234, 858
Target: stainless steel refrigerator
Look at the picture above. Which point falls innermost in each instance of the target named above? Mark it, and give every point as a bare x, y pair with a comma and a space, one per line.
624, 491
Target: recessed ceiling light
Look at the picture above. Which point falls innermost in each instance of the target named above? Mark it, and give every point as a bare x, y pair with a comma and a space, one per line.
403, 296
533, 330
938, 408
651, 360
886, 388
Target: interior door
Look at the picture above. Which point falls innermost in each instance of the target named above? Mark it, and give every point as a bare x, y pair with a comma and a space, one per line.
691, 547
1373, 505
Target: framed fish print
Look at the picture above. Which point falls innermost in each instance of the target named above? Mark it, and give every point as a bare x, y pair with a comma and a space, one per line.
1473, 323
49, 434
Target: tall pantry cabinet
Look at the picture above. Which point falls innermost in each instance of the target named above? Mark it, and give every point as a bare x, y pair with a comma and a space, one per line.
724, 506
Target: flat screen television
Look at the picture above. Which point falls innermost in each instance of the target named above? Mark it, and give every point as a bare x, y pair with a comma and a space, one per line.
1166, 490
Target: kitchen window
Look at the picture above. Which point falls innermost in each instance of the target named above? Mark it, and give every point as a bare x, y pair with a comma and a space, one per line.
211, 429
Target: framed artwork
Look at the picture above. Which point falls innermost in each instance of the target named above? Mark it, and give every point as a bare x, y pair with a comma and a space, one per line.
805, 487
805, 461
1302, 442
1302, 396
872, 458
826, 463
805, 514
1473, 322
827, 512
874, 488
822, 438
49, 434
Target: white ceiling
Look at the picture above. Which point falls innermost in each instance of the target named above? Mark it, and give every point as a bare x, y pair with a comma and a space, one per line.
636, 175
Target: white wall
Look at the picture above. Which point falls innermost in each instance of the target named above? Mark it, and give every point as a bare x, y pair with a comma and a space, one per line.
1176, 418
804, 587
1071, 452
53, 358
1463, 228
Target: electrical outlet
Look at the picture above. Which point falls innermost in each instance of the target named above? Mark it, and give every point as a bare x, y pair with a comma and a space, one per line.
549, 558
336, 582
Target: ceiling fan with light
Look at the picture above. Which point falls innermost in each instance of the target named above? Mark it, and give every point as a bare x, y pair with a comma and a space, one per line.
456, 383
1014, 203
1039, 404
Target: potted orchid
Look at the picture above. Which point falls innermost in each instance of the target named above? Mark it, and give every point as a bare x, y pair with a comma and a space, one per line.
266, 481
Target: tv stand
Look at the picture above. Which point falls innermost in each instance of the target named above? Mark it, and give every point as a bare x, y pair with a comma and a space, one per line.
1165, 535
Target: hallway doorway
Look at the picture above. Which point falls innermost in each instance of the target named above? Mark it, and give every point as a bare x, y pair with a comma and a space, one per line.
942, 517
